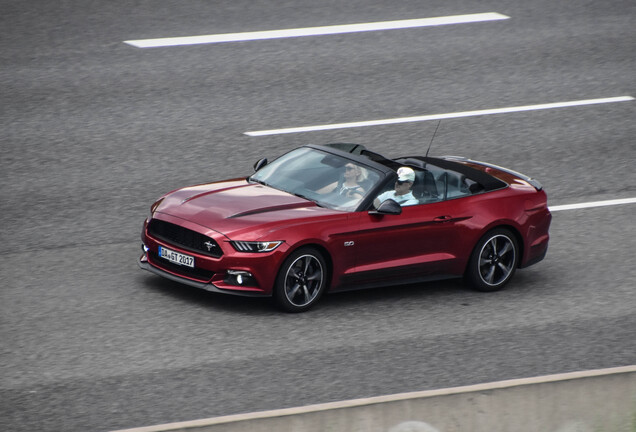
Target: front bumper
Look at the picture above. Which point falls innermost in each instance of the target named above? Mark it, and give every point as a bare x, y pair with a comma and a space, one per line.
217, 274
207, 286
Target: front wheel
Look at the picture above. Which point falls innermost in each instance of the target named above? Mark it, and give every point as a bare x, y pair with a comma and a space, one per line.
493, 261
301, 280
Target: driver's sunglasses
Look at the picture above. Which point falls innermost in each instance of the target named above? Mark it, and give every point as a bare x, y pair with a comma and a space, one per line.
400, 182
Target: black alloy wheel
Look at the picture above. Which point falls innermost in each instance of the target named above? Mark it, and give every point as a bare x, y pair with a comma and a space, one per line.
493, 261
301, 280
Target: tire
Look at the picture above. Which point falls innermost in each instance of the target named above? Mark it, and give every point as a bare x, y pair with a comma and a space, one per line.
493, 261
301, 281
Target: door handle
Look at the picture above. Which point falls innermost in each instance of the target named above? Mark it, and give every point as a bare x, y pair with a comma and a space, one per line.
441, 219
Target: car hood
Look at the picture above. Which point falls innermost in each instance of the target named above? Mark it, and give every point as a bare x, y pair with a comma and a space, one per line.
236, 207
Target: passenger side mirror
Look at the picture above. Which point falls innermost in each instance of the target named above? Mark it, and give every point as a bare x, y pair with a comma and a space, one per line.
260, 164
388, 207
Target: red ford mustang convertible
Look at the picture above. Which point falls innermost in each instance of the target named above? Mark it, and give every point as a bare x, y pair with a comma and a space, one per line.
339, 217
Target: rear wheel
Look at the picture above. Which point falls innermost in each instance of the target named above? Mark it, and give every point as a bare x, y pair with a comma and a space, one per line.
493, 261
301, 280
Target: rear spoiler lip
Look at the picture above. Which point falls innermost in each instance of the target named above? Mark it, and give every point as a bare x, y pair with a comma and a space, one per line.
535, 183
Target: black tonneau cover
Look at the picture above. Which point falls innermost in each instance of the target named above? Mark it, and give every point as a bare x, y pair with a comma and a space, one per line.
486, 180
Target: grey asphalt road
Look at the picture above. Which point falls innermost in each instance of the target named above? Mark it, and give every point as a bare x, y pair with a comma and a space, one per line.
93, 130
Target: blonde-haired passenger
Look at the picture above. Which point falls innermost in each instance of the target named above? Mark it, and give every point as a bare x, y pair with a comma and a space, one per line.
352, 185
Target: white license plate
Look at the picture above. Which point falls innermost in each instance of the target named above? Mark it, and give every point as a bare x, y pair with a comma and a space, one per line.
176, 257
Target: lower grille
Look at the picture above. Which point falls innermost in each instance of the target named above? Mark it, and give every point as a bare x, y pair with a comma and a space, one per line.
193, 273
184, 238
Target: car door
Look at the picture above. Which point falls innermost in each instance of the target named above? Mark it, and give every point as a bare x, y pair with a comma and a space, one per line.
420, 243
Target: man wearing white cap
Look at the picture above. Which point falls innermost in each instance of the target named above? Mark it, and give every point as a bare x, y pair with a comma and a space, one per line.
402, 193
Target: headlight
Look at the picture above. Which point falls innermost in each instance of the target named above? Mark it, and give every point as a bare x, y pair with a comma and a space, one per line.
246, 246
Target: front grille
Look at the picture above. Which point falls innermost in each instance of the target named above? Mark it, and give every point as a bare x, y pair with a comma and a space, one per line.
194, 273
184, 238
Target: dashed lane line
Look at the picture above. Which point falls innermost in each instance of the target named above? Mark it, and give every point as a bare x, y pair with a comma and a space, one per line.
593, 204
316, 31
506, 110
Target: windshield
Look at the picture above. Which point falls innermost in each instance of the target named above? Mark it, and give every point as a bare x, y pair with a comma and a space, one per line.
329, 180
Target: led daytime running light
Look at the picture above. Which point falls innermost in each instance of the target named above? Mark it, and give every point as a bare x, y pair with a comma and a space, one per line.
246, 246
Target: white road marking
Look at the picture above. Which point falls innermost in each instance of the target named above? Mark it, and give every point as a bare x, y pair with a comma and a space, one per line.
593, 204
506, 110
316, 31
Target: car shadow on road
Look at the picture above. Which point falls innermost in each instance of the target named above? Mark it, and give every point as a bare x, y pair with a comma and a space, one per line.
226, 302
385, 296
394, 293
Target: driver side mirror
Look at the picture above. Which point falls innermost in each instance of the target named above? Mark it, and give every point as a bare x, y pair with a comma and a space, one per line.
260, 164
388, 207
